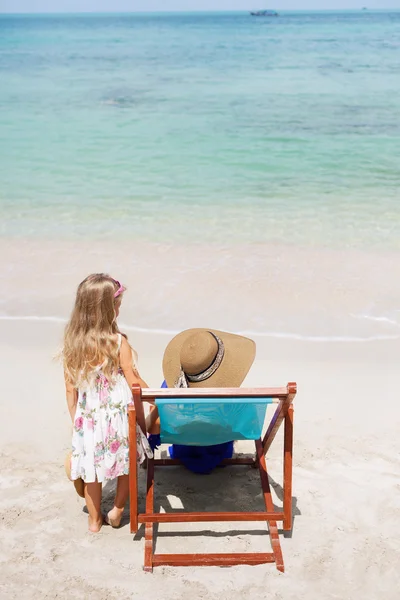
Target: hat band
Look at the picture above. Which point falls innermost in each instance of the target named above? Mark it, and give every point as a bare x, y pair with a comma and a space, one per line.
184, 378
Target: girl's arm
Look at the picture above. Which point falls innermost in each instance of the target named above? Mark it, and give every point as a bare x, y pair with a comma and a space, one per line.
132, 376
126, 362
72, 398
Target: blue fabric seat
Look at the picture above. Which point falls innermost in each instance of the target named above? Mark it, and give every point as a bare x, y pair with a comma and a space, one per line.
203, 422
202, 431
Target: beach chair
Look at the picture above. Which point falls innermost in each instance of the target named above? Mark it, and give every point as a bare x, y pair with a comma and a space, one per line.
205, 416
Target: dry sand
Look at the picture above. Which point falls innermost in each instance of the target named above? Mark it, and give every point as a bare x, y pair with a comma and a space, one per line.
345, 542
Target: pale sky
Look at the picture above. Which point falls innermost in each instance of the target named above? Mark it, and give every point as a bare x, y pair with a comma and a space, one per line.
185, 5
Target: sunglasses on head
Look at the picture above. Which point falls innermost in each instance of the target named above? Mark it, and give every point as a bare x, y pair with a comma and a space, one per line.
120, 289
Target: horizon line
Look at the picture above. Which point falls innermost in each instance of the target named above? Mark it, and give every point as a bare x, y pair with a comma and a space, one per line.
210, 11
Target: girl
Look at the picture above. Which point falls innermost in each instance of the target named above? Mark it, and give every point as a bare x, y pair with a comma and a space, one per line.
99, 372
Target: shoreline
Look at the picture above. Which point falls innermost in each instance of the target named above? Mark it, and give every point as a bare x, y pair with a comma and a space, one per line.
251, 334
270, 290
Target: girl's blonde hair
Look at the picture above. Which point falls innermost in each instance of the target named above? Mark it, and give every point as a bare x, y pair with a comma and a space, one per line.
90, 337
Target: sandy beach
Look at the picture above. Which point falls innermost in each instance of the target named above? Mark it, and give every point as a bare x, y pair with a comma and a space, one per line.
345, 541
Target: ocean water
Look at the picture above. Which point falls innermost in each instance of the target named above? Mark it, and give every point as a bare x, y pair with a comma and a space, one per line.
244, 171
201, 127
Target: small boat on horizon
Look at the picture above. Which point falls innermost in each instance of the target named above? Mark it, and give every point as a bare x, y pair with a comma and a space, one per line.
264, 13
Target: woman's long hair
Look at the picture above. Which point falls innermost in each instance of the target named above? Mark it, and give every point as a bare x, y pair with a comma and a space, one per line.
90, 337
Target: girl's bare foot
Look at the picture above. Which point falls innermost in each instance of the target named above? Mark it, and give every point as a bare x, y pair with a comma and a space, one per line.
93, 503
114, 517
95, 526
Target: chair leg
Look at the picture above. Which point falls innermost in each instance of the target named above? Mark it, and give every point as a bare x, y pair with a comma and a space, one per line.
288, 470
269, 506
148, 539
133, 483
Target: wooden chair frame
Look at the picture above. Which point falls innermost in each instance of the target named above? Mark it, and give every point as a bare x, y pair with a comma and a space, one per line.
283, 397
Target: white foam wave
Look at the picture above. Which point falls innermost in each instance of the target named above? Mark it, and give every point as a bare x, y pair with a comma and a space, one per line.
318, 338
381, 319
249, 333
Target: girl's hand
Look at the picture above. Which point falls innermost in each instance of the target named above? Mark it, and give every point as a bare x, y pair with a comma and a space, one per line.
72, 398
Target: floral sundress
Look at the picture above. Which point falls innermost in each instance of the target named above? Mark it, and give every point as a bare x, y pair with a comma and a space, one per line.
100, 447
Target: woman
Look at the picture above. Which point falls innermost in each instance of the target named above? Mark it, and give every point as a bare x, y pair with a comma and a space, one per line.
203, 358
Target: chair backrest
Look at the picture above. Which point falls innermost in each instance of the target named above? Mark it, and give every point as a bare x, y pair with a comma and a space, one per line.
208, 416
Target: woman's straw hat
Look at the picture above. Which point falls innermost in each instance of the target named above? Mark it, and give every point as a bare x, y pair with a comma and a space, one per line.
78, 483
208, 358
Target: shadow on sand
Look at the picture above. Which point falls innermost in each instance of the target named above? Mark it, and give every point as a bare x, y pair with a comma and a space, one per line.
232, 488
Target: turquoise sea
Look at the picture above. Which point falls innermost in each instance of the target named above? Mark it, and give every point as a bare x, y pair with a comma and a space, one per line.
234, 172
202, 127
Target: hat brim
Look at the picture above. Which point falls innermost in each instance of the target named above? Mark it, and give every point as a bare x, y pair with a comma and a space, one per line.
238, 357
78, 483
